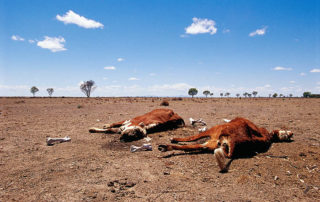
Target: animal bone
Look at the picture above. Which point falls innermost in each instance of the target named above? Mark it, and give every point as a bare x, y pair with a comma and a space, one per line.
144, 147
192, 121
51, 141
202, 129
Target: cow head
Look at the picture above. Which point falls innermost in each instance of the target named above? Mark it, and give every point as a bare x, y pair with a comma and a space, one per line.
130, 132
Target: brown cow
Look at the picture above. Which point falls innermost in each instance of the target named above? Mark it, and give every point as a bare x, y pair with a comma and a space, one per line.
138, 127
239, 136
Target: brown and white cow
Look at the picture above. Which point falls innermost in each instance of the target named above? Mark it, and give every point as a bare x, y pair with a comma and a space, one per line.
239, 136
140, 126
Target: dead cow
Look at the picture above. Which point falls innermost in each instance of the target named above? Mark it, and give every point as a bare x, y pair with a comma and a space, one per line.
139, 127
239, 136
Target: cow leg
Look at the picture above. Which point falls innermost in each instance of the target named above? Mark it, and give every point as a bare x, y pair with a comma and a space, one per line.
191, 147
108, 130
113, 125
190, 138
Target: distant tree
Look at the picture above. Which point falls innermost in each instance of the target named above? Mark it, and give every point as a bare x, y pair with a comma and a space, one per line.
238, 94
281, 95
290, 95
206, 93
306, 94
227, 94
211, 94
193, 92
249, 94
50, 91
254, 93
33, 90
275, 95
221, 94
87, 87
245, 94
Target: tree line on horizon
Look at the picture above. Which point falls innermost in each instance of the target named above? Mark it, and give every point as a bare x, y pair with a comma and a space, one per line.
87, 87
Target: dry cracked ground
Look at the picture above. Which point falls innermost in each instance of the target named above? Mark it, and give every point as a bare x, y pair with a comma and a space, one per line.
96, 167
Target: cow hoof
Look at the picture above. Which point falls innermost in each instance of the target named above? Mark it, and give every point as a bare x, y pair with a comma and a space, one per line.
163, 148
173, 140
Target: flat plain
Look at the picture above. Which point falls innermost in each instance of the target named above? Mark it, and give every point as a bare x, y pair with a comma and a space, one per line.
96, 167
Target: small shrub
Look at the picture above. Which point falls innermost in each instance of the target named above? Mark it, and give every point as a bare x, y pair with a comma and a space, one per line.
79, 106
164, 103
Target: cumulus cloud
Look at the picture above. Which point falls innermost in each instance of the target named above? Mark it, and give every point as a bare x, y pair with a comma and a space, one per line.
315, 71
73, 18
278, 68
110, 68
120, 59
302, 74
260, 32
133, 79
17, 38
54, 44
201, 26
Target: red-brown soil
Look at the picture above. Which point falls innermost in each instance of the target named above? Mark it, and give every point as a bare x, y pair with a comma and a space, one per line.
96, 167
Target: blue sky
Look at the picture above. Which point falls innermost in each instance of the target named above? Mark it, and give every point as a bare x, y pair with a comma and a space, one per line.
159, 48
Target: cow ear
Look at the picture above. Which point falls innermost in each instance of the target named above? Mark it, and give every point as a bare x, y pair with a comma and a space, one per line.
142, 125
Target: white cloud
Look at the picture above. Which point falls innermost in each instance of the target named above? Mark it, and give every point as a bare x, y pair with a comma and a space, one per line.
201, 26
318, 83
17, 38
303, 74
260, 32
110, 68
315, 71
133, 79
120, 59
278, 68
31, 41
292, 82
73, 18
54, 44
168, 87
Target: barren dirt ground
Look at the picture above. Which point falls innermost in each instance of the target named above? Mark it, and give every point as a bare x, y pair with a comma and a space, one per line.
96, 167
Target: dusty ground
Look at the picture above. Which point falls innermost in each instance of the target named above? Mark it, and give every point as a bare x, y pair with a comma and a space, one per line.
95, 167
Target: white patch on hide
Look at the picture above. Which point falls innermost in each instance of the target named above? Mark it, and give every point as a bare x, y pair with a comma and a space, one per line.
152, 125
127, 128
